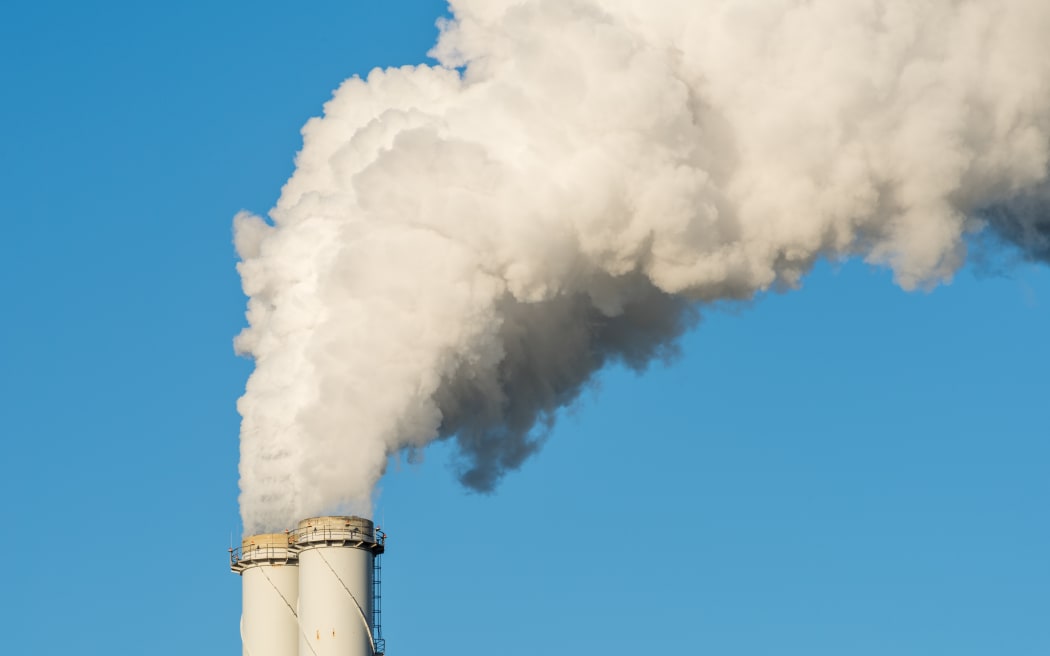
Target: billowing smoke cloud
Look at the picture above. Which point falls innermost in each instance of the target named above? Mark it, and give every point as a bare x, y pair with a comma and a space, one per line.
463, 246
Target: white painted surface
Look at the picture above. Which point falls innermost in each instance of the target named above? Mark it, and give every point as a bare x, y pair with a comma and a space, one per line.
268, 623
335, 586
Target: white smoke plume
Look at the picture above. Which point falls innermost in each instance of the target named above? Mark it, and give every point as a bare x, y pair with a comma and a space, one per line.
462, 246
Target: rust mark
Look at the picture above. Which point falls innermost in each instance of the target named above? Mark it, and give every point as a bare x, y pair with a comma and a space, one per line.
318, 634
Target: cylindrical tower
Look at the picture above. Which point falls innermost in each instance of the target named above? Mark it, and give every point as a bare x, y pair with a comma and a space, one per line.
336, 566
270, 589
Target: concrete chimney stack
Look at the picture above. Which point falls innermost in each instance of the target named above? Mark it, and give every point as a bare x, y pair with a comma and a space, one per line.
312, 591
336, 583
270, 589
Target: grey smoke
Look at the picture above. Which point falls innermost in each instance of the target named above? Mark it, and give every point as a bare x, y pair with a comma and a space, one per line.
1024, 222
552, 348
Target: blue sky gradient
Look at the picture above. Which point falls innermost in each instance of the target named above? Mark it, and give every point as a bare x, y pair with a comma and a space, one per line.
847, 469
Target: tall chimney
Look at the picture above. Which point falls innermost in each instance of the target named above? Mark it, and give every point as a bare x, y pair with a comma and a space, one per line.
337, 559
270, 588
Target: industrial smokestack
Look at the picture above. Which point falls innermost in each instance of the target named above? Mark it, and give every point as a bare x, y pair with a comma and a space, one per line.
312, 591
337, 564
270, 591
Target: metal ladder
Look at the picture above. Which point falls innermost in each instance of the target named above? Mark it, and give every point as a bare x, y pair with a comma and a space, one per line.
377, 607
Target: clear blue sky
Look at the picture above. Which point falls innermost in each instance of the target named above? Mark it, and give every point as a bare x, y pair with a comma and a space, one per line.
844, 470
